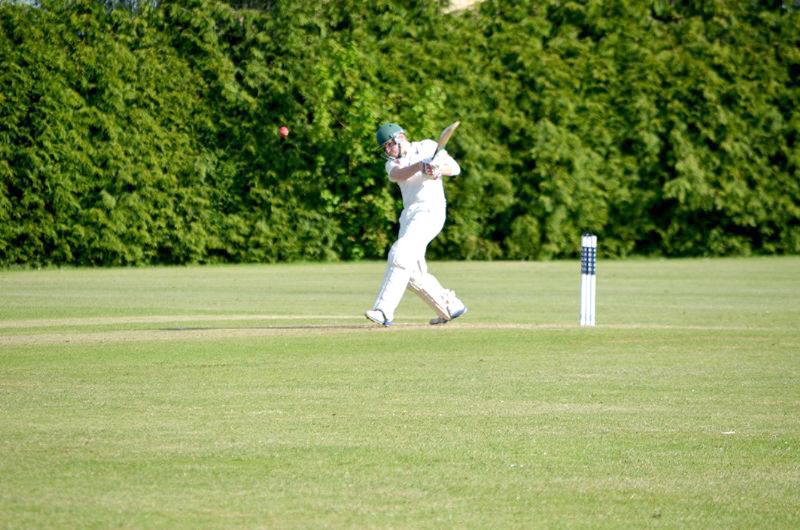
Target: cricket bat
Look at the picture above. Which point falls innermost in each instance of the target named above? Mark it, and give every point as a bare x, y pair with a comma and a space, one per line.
445, 137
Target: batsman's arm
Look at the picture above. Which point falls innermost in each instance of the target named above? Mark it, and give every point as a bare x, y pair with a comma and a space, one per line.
443, 164
446, 164
400, 174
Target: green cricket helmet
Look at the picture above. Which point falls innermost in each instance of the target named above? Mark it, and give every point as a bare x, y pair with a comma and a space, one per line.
387, 132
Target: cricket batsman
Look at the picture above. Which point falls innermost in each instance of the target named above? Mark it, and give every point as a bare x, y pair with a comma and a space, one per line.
410, 166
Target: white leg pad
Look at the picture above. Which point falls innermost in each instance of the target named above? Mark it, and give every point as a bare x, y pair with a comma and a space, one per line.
427, 287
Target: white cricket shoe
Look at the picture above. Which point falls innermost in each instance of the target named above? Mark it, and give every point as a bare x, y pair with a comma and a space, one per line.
439, 320
377, 316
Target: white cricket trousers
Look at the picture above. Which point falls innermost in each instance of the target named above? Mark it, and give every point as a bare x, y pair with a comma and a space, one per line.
419, 224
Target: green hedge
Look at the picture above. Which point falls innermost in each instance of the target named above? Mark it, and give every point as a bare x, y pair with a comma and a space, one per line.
150, 134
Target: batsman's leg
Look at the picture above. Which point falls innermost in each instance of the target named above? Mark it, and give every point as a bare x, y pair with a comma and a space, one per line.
443, 301
395, 281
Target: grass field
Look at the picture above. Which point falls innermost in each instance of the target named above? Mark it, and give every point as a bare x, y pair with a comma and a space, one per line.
259, 397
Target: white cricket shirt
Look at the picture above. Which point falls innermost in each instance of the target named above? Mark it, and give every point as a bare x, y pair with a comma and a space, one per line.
419, 189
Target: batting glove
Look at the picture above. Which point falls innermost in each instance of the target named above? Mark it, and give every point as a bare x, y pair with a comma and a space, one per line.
431, 171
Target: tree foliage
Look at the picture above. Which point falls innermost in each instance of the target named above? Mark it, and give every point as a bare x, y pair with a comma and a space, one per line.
147, 132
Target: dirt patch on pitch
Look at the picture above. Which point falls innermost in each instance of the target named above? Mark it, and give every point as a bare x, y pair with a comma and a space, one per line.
160, 319
185, 333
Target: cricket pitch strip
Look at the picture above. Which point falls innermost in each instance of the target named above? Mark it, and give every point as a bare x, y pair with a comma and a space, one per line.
169, 328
